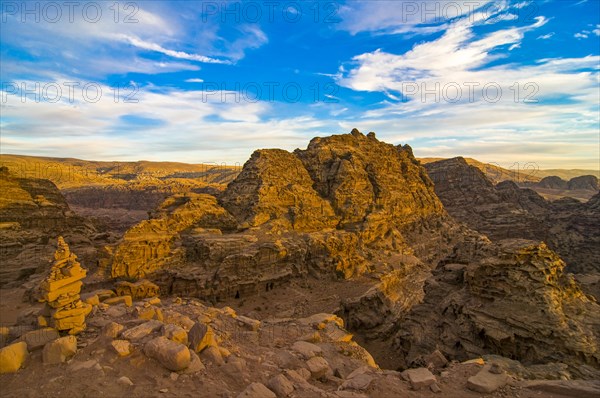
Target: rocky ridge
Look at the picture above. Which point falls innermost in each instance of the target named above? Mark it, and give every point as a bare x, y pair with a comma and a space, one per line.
507, 211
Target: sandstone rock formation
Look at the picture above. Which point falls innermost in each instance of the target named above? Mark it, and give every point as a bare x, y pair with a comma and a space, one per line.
60, 290
507, 211
512, 299
32, 214
345, 206
552, 182
588, 182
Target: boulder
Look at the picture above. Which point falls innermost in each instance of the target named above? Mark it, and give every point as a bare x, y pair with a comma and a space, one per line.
419, 378
436, 359
37, 339
213, 354
12, 357
122, 347
201, 336
59, 350
248, 323
257, 390
173, 356
318, 367
196, 364
487, 382
281, 386
175, 333
141, 331
112, 330
306, 349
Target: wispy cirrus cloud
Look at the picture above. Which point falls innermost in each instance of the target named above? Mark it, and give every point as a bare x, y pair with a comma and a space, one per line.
437, 91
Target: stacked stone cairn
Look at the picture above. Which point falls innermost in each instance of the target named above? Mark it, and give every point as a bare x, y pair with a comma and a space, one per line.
60, 290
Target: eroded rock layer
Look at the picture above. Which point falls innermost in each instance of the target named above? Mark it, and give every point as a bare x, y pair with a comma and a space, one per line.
512, 299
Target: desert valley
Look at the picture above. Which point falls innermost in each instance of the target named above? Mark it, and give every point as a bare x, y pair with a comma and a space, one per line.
346, 269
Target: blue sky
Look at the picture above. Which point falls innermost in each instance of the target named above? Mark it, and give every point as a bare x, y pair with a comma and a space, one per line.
509, 82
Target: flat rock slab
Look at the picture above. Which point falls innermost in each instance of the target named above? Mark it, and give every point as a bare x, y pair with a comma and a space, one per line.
306, 349
487, 382
37, 339
173, 356
567, 388
419, 378
141, 331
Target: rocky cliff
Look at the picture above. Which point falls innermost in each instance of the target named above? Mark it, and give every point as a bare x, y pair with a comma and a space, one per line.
33, 213
344, 206
507, 211
512, 299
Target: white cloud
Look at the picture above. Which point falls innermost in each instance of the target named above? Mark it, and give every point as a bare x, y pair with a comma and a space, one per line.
419, 17
546, 36
194, 80
560, 127
581, 35
164, 39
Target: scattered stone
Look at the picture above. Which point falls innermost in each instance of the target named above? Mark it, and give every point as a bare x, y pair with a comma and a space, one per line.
148, 313
90, 298
125, 381
436, 359
201, 336
127, 300
306, 349
318, 367
419, 378
281, 386
77, 365
141, 331
173, 356
104, 294
359, 382
174, 376
152, 301
122, 347
359, 379
163, 390
213, 355
477, 361
37, 339
257, 390
435, 388
176, 318
59, 350
175, 333
487, 382
235, 366
196, 364
248, 323
12, 357
112, 330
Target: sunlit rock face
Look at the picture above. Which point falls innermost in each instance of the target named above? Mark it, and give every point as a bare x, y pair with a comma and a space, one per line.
33, 213
339, 207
